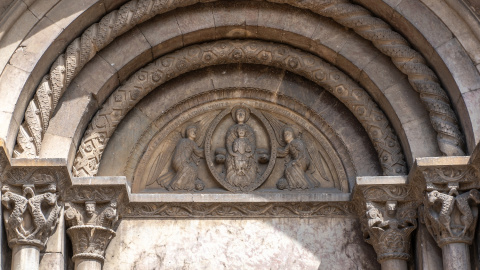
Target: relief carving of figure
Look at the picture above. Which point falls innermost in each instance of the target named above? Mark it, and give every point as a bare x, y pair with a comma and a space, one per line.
297, 163
185, 162
241, 161
186, 158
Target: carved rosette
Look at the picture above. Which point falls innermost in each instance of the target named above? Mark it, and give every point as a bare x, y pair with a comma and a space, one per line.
450, 203
30, 214
387, 227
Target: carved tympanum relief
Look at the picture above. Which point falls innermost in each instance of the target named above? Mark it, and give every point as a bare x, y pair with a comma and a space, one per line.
239, 145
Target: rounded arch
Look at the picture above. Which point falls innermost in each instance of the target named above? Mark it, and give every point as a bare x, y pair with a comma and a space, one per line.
414, 67
194, 57
346, 50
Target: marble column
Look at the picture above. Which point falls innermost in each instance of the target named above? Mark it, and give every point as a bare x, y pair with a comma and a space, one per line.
388, 212
30, 217
451, 219
90, 230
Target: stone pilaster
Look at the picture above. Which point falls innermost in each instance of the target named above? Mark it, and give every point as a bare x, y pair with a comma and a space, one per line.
388, 211
30, 206
91, 215
450, 211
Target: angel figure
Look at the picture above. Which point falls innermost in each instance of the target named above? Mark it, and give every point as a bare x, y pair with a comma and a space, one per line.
186, 157
241, 163
297, 164
185, 161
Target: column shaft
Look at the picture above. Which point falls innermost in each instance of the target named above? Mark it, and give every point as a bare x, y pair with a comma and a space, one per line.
456, 256
394, 264
25, 257
87, 264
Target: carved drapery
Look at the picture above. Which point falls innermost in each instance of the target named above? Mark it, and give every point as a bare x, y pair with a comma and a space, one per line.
156, 158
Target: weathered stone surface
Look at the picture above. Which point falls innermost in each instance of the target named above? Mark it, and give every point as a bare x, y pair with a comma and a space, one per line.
248, 243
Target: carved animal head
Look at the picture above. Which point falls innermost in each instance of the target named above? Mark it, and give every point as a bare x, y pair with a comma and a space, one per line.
50, 198
432, 197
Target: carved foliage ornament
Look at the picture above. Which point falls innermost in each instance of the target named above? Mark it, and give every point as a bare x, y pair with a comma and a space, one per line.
223, 52
117, 22
451, 177
202, 210
30, 213
388, 226
90, 228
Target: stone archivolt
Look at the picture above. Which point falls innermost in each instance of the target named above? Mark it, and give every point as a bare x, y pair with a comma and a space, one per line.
96, 37
222, 52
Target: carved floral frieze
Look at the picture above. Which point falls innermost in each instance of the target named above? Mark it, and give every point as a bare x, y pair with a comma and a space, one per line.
238, 210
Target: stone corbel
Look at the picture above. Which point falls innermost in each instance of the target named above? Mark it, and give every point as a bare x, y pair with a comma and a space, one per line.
450, 198
388, 210
91, 215
31, 208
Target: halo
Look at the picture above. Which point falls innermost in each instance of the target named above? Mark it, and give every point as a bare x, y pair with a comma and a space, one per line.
236, 108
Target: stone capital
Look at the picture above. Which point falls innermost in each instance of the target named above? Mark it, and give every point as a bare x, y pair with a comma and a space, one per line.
451, 217
31, 213
448, 187
91, 214
388, 213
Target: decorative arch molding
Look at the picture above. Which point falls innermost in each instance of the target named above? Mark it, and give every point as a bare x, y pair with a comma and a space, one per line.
347, 51
95, 38
194, 57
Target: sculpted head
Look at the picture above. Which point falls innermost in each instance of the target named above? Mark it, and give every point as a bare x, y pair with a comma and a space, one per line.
240, 114
432, 197
288, 134
241, 131
191, 132
90, 208
391, 208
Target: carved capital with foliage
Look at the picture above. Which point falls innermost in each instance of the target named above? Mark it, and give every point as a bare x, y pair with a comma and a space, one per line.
30, 205
91, 215
388, 212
